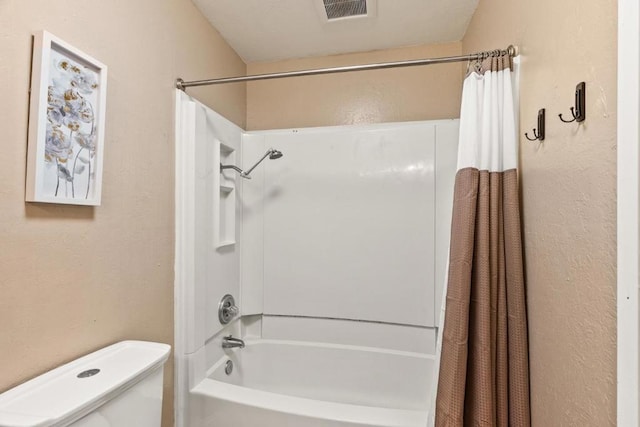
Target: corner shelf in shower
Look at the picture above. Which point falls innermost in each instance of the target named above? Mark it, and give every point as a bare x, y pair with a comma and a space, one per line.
224, 198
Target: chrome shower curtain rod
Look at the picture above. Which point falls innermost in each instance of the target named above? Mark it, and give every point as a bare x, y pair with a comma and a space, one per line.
511, 51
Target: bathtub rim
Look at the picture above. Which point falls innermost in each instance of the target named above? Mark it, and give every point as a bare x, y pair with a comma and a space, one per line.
210, 387
310, 408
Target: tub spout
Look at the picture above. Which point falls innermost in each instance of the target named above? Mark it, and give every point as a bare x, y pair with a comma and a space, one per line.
231, 342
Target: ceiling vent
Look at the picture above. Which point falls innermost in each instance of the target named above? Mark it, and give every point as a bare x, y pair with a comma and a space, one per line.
339, 9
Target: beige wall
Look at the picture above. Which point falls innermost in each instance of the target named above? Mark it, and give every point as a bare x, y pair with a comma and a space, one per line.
74, 279
401, 94
568, 197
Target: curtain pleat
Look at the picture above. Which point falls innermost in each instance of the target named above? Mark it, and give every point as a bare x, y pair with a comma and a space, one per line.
484, 369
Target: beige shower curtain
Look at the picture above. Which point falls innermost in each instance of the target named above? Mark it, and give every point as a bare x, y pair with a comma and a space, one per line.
484, 368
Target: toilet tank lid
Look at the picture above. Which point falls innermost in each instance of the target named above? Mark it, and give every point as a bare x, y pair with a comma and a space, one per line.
70, 391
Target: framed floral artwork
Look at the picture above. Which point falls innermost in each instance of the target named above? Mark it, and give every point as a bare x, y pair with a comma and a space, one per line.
66, 124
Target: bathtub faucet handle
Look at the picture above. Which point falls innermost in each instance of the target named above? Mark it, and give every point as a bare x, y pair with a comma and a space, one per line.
227, 309
232, 310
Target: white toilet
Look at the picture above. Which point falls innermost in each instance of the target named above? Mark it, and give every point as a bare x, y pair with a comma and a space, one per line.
117, 386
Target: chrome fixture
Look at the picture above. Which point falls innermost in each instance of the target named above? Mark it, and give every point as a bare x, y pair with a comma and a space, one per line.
227, 309
271, 153
511, 51
228, 367
231, 342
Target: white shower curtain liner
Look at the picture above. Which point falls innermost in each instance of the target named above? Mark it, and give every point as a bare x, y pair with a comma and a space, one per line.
486, 145
488, 138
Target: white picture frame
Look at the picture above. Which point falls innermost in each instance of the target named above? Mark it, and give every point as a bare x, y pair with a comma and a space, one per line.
66, 124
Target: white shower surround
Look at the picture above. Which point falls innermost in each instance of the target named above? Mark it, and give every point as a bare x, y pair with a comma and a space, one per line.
363, 212
204, 273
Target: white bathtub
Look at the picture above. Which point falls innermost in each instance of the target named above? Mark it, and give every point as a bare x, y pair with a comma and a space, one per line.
297, 384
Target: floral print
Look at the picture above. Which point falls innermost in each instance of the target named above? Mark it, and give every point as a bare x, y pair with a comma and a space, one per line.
70, 144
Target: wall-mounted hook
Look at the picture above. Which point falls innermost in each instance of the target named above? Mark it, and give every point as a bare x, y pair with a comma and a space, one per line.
578, 112
539, 132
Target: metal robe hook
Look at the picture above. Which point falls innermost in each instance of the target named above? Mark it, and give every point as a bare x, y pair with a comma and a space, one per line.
578, 112
538, 133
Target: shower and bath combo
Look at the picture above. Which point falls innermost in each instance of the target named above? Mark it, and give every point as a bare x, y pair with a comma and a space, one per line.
271, 153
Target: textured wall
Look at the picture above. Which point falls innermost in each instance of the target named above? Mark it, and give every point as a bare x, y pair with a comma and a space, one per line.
74, 279
401, 94
568, 197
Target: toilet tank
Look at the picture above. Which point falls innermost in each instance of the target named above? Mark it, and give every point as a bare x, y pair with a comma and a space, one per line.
117, 386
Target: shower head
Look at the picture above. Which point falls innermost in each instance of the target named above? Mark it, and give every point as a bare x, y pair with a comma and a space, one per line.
274, 154
271, 153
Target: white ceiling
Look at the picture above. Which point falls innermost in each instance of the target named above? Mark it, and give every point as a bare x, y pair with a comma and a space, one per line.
268, 30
